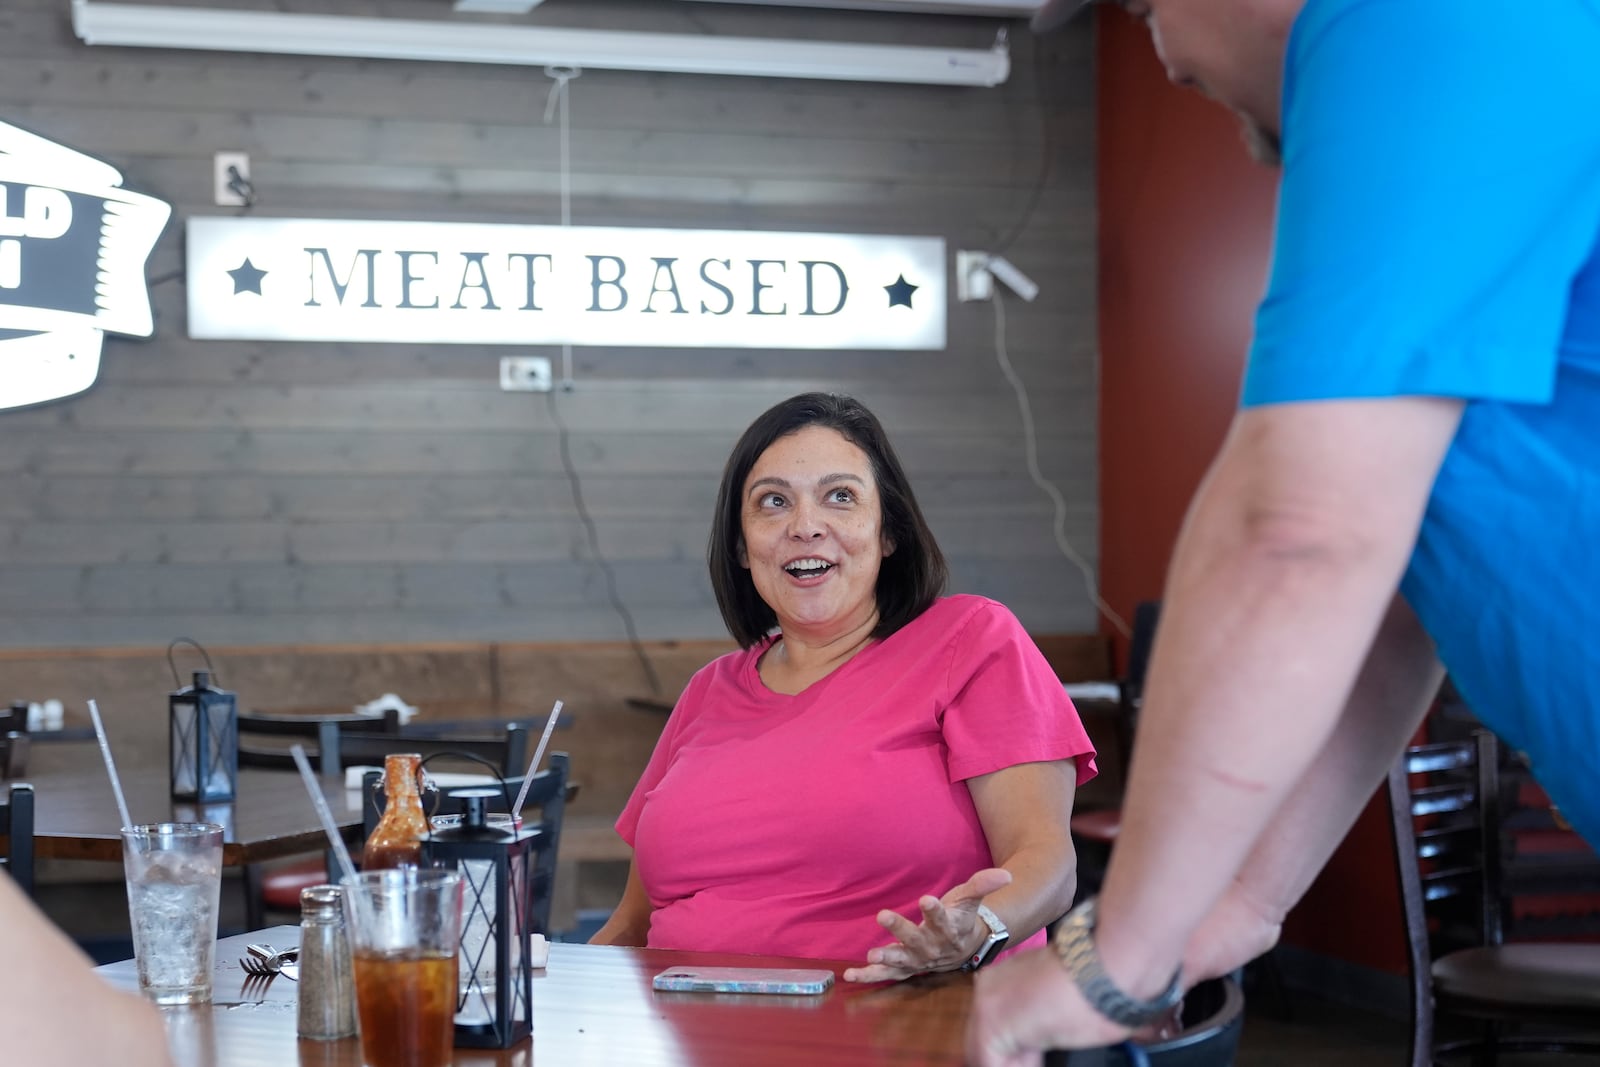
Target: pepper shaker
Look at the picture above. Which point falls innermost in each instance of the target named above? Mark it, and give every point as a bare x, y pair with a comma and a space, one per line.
327, 987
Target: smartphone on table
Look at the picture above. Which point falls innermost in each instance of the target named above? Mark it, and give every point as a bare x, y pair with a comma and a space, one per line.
742, 980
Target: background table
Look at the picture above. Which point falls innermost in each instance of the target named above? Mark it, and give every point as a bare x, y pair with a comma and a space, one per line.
75, 814
594, 1005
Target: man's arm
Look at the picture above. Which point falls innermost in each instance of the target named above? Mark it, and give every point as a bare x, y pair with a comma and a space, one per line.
47, 991
1028, 1003
1285, 568
1393, 693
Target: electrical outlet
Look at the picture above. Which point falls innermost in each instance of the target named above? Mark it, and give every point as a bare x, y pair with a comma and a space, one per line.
525, 374
973, 280
223, 183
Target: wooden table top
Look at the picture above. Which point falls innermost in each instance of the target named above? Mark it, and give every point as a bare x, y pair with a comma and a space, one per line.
594, 1005
75, 814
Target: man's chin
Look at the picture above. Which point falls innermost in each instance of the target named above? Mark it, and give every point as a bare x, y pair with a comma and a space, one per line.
1264, 145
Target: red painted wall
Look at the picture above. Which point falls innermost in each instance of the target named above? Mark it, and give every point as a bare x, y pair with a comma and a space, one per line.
1185, 241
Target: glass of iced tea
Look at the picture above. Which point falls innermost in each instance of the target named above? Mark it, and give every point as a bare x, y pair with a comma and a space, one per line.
405, 926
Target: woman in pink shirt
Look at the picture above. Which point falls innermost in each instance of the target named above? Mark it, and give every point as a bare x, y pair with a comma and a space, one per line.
880, 774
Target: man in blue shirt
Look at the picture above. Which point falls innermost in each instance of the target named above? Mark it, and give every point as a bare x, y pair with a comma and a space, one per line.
1413, 477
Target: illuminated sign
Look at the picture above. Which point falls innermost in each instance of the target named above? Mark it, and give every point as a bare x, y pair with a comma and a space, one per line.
73, 245
480, 283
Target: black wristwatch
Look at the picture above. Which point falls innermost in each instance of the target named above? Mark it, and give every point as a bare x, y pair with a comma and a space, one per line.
1074, 943
998, 936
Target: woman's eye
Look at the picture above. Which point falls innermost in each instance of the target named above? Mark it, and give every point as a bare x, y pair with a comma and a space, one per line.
842, 496
770, 500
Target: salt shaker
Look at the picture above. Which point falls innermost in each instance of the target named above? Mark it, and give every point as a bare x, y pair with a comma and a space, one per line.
327, 988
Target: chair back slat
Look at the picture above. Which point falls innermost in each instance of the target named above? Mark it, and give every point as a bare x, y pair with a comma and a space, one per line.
1447, 843
1440, 756
1444, 799
1449, 884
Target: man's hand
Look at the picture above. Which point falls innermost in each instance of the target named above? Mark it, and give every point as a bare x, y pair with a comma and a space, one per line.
1026, 1004
949, 934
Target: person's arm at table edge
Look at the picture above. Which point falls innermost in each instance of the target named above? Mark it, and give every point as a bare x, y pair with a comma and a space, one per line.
47, 990
1286, 564
629, 924
1396, 687
1026, 812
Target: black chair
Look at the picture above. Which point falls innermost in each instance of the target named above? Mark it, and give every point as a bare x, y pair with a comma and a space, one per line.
14, 718
1095, 830
507, 753
552, 788
326, 731
16, 819
344, 741
1451, 879
354, 740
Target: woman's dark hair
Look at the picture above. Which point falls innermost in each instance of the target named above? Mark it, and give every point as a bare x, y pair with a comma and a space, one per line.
910, 578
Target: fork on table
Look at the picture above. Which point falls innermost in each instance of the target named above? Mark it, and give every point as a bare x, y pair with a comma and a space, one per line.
262, 960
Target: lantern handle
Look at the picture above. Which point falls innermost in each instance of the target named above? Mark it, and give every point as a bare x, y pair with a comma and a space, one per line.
504, 792
176, 641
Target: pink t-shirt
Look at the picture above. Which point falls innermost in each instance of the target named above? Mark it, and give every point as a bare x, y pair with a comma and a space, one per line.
781, 825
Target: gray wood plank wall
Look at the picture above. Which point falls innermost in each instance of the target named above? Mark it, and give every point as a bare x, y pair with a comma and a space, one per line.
244, 492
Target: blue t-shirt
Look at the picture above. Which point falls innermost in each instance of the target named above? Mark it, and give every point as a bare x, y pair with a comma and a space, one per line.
1439, 235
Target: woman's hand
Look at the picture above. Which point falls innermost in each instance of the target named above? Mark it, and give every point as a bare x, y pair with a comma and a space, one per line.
950, 932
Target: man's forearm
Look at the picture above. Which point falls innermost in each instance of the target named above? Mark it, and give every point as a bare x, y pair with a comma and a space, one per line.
1392, 694
1396, 686
1275, 594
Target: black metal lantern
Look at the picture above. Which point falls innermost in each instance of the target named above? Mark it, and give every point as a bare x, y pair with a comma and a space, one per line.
204, 729
494, 1007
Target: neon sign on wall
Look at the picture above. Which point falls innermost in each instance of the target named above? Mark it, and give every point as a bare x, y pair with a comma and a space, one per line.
73, 246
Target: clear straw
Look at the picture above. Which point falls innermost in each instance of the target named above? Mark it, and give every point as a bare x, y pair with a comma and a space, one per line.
321, 804
538, 754
111, 766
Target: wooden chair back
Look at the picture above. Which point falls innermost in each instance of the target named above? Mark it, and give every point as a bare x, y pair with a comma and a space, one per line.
1445, 802
1447, 845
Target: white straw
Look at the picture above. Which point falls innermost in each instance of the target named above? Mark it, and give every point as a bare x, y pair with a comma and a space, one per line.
321, 804
538, 754
111, 766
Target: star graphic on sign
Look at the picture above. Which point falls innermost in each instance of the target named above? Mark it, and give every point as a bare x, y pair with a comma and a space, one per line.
247, 278
900, 292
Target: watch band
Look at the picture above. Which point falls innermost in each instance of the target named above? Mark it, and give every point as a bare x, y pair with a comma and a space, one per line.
1074, 943
998, 936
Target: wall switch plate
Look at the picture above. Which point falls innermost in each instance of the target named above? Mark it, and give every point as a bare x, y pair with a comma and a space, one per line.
220, 178
973, 280
525, 374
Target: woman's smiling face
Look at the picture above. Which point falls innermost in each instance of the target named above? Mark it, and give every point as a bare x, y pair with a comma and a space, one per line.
813, 536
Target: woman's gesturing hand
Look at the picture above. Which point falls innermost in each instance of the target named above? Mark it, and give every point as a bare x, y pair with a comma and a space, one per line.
950, 932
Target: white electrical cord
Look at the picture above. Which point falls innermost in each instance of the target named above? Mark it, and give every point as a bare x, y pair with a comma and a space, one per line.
1031, 446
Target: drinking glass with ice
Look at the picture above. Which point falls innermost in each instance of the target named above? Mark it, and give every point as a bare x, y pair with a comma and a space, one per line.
174, 875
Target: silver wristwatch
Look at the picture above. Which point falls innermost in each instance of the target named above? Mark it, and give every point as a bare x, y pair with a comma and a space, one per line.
1074, 943
998, 936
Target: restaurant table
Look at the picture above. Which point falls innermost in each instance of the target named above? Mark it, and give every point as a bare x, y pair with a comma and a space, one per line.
594, 1005
75, 813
